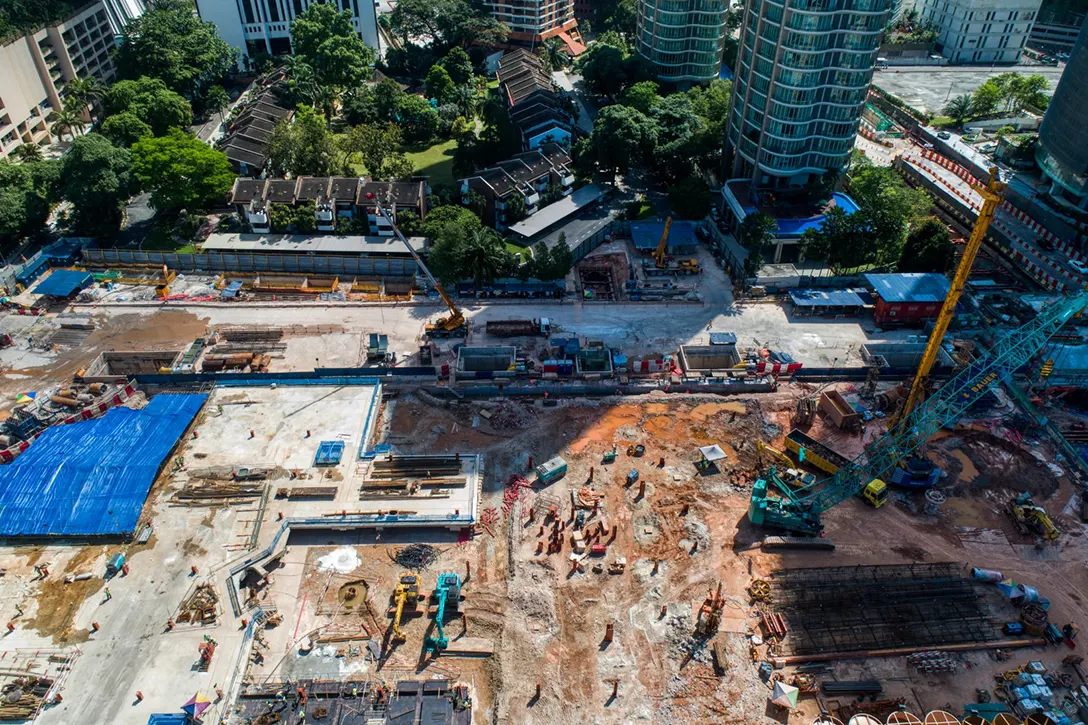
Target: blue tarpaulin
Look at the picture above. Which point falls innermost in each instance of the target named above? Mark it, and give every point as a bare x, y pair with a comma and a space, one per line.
647, 235
91, 478
64, 283
826, 298
910, 287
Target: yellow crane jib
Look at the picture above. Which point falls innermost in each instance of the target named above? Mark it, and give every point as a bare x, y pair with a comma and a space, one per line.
659, 253
991, 195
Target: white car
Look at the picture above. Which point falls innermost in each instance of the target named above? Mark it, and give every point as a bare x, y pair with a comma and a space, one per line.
1078, 266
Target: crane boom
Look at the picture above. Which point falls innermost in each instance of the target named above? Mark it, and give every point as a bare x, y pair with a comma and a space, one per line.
456, 318
955, 397
801, 511
991, 197
659, 253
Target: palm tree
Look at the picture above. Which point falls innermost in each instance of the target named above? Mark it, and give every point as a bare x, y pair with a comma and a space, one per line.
466, 99
28, 153
959, 108
554, 54
218, 99
66, 120
484, 254
84, 90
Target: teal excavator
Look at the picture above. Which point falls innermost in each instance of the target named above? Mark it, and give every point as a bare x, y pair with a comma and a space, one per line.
448, 595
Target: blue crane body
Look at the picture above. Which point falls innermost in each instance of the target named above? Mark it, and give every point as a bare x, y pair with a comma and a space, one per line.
448, 594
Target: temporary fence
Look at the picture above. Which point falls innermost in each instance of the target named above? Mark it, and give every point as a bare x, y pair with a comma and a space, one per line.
218, 262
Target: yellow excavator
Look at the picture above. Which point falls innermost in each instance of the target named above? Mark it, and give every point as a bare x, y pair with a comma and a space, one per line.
661, 261
1032, 519
789, 473
405, 595
454, 324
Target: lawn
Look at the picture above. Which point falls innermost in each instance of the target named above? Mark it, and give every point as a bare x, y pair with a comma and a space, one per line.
517, 249
435, 162
942, 122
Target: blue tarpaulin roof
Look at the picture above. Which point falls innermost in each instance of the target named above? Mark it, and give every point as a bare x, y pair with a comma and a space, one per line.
910, 287
169, 719
64, 283
826, 298
91, 478
647, 235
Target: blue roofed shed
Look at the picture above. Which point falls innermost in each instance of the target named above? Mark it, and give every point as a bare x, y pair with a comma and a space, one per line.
826, 301
908, 298
91, 478
682, 239
64, 283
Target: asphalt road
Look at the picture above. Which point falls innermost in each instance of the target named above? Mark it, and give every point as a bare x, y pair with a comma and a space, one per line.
930, 87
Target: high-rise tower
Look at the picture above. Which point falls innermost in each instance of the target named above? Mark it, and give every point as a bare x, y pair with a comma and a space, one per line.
803, 72
1062, 151
682, 38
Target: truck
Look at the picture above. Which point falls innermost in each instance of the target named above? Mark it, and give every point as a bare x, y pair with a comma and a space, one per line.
377, 347
816, 453
520, 328
672, 266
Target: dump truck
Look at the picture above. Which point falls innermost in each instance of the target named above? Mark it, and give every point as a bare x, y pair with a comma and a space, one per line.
377, 347
839, 411
816, 453
520, 328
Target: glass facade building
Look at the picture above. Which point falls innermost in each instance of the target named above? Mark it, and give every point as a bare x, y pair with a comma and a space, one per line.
802, 76
682, 38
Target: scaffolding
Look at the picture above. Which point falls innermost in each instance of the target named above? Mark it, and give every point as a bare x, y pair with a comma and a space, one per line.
862, 608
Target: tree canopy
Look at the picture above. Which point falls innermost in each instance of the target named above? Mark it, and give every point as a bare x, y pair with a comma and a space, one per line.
181, 172
326, 41
26, 191
928, 248
621, 138
170, 42
150, 101
302, 146
96, 178
446, 23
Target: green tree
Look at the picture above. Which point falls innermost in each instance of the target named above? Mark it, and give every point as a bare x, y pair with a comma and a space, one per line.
602, 69
446, 23
171, 43
26, 192
438, 84
555, 54
218, 100
756, 234
181, 172
622, 137
458, 65
691, 198
28, 153
711, 102
482, 256
928, 248
675, 118
417, 119
387, 97
65, 121
986, 99
889, 207
515, 210
359, 106
301, 147
642, 97
561, 260
409, 223
844, 240
96, 178
81, 91
152, 102
959, 108
326, 40
125, 129
378, 147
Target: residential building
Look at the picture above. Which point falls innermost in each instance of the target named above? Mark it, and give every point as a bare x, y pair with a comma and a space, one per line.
803, 72
684, 39
245, 142
1062, 153
38, 65
531, 22
981, 31
333, 199
120, 12
264, 26
535, 104
533, 176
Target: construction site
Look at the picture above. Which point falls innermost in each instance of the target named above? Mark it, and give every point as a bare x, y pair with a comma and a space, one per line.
556, 514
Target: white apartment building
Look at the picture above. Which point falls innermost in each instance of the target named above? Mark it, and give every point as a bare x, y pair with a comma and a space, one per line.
38, 65
981, 31
120, 12
254, 26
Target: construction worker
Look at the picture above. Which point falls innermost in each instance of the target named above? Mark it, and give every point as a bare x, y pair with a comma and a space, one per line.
108, 595
19, 610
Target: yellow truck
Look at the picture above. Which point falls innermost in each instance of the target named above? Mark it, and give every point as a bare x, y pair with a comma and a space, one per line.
830, 462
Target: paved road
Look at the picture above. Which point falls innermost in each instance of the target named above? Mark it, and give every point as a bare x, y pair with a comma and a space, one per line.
930, 87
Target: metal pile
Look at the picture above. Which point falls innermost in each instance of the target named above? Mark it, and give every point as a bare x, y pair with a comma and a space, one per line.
416, 556
22, 697
197, 493
200, 607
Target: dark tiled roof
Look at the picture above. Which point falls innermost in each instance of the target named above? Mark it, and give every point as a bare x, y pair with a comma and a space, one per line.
244, 141
310, 187
246, 190
545, 116
538, 104
344, 188
281, 191
244, 156
555, 153
499, 180
401, 193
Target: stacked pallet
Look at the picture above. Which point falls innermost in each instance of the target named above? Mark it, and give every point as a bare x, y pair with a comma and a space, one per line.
197, 493
416, 476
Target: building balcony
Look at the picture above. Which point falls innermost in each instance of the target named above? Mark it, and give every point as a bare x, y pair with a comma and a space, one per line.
567, 180
500, 204
531, 199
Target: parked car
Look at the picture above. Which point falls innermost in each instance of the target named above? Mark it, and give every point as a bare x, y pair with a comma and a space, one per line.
944, 134
1079, 266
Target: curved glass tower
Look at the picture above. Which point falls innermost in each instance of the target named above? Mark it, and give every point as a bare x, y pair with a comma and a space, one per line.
682, 38
1062, 153
803, 72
